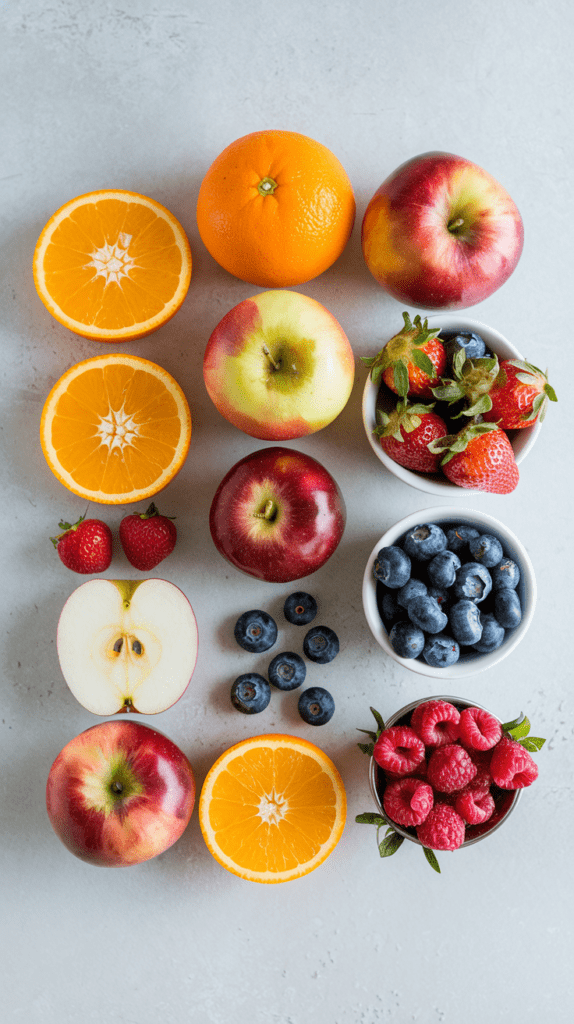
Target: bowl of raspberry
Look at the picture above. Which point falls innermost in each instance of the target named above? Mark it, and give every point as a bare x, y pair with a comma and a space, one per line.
450, 404
446, 773
449, 592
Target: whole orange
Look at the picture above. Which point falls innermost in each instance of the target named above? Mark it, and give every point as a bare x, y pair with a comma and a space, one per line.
275, 208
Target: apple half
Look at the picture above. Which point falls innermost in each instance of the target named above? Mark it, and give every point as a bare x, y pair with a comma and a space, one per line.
127, 645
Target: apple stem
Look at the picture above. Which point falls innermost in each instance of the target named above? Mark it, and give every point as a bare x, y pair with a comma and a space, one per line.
454, 224
269, 511
276, 366
116, 787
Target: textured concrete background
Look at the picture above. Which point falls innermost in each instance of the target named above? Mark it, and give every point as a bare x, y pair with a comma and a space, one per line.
143, 96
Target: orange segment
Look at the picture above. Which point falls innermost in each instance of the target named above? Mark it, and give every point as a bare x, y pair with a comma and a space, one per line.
115, 429
272, 808
112, 265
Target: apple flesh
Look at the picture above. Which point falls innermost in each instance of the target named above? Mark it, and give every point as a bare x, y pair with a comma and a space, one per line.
277, 515
279, 366
127, 645
120, 793
441, 233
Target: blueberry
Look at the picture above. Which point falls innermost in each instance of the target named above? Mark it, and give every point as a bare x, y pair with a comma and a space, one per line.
505, 575
440, 651
465, 622
458, 538
486, 549
442, 568
287, 671
255, 631
316, 706
426, 613
392, 567
492, 634
425, 541
300, 608
414, 588
471, 342
507, 608
441, 596
321, 644
406, 639
472, 581
389, 608
250, 693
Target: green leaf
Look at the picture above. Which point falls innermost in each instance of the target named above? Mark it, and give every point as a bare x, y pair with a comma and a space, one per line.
367, 748
367, 360
368, 732
532, 743
431, 857
378, 719
449, 391
482, 405
370, 818
518, 728
401, 378
376, 373
422, 361
390, 844
550, 392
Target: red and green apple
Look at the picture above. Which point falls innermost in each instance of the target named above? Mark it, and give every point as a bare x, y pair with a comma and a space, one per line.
279, 366
441, 233
277, 515
120, 793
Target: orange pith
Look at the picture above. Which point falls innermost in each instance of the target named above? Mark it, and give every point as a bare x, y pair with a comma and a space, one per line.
115, 429
275, 208
272, 808
112, 265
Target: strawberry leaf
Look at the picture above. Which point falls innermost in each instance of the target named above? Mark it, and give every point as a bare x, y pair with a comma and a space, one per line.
431, 857
401, 378
422, 361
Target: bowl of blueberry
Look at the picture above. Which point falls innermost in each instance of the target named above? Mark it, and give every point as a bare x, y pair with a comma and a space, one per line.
450, 404
449, 592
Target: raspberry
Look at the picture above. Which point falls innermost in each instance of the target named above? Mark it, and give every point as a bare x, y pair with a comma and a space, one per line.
436, 722
511, 766
479, 730
408, 801
442, 829
450, 768
474, 806
399, 750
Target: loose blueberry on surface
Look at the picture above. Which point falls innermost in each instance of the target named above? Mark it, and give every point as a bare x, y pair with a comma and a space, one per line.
440, 651
287, 671
406, 639
426, 613
442, 568
472, 581
414, 588
458, 538
255, 631
425, 541
300, 608
316, 706
465, 622
486, 549
321, 644
507, 608
505, 575
392, 567
492, 634
250, 693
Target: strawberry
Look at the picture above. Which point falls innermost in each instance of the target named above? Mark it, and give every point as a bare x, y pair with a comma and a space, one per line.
479, 457
519, 395
86, 546
147, 538
406, 433
411, 361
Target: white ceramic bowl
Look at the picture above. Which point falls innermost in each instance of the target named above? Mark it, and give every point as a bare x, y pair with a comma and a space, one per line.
505, 801
437, 483
469, 663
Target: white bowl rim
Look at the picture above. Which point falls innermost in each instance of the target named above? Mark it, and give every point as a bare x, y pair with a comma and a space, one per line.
463, 668
434, 484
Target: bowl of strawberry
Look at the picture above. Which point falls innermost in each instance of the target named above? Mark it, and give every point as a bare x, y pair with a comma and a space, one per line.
449, 592
451, 404
446, 773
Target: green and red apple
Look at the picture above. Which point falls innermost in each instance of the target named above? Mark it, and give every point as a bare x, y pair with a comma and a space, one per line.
441, 233
120, 793
279, 366
127, 645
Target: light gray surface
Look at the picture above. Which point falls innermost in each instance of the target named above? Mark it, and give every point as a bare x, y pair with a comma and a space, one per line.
143, 96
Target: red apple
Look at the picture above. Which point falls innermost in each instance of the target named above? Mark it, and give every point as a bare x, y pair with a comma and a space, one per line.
441, 233
120, 793
277, 515
279, 366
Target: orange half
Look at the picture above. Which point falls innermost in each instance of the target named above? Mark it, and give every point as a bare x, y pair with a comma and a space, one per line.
272, 808
115, 429
112, 265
